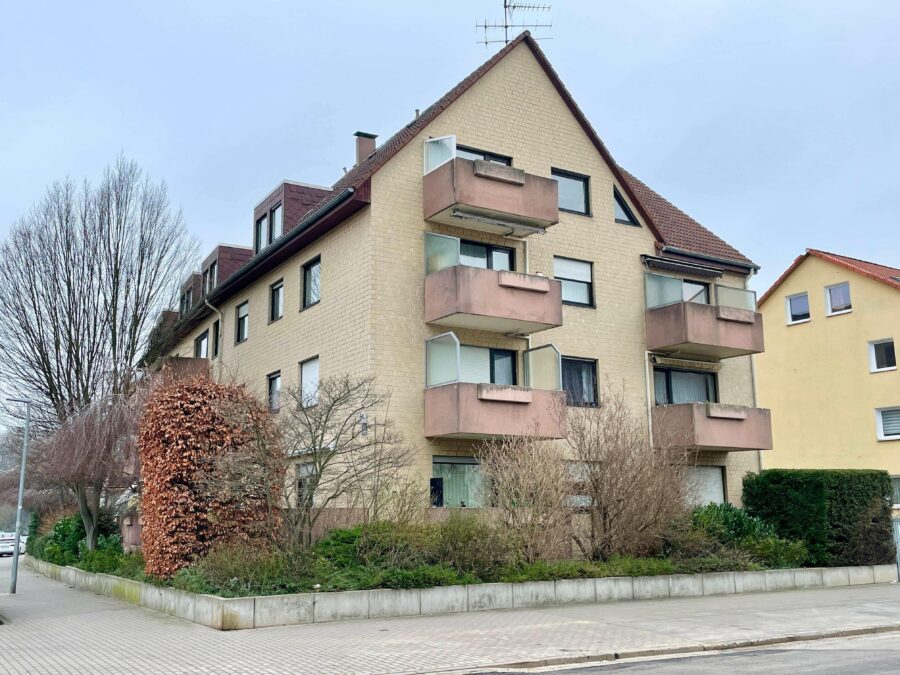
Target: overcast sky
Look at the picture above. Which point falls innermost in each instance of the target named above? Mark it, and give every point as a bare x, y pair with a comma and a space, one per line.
774, 123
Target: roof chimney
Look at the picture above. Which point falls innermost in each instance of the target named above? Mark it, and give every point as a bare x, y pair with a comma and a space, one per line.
365, 145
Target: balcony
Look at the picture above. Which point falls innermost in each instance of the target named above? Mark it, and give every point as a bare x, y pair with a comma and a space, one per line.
722, 326
712, 426
489, 197
476, 411
492, 300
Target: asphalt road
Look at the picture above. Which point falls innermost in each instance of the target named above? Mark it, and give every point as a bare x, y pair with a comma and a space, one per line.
864, 654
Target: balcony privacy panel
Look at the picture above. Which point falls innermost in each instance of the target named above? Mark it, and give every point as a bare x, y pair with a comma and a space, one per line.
440, 252
542, 368
441, 360
727, 296
662, 290
439, 151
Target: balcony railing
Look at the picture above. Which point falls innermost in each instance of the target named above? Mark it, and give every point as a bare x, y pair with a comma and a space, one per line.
718, 322
712, 426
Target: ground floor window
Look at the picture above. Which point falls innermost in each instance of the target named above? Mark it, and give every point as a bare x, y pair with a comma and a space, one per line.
895, 481
456, 482
579, 378
706, 484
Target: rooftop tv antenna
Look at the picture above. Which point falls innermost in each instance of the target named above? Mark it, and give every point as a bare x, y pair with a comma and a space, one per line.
509, 9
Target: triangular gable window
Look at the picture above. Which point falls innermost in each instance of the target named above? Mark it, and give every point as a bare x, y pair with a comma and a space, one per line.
623, 213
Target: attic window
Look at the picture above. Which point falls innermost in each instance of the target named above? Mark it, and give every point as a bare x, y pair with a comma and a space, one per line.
623, 213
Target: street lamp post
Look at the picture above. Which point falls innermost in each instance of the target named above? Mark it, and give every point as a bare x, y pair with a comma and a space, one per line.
15, 565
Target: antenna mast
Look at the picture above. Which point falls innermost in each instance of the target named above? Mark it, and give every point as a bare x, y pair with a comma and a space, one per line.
509, 8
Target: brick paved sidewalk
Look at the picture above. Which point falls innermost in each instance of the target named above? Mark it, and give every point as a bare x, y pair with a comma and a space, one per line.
56, 629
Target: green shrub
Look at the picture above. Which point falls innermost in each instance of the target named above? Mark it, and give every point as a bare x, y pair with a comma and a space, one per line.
774, 552
472, 545
728, 524
391, 545
60, 545
844, 516
726, 560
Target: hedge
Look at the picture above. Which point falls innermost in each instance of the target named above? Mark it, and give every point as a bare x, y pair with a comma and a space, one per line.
844, 516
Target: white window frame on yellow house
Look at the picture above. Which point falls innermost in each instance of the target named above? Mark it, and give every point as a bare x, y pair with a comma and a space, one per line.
873, 362
879, 423
828, 310
788, 315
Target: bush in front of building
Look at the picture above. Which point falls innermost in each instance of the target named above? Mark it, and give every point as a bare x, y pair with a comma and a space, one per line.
843, 515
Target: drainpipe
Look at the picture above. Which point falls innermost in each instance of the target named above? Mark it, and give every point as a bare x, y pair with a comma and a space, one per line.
218, 347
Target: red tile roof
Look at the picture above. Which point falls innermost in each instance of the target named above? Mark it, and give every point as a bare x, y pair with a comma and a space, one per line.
882, 273
670, 225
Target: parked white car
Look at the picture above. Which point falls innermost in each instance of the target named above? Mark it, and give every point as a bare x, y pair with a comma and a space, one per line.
8, 544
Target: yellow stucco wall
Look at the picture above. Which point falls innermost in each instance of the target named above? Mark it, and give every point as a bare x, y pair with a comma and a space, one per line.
815, 376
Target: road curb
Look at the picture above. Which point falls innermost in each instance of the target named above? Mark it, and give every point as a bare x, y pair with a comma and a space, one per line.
695, 648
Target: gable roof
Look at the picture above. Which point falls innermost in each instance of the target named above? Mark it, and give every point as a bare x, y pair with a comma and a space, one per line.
877, 272
669, 225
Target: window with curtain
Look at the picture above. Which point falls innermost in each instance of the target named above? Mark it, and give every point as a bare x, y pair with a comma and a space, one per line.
684, 386
312, 272
579, 381
485, 256
457, 482
895, 482
274, 382
838, 298
576, 277
309, 381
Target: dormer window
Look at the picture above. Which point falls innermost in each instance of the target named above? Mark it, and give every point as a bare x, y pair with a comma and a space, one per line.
259, 233
187, 301
268, 228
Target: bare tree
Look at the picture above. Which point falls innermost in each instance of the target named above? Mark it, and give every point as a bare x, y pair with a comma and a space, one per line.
345, 452
82, 276
630, 489
528, 480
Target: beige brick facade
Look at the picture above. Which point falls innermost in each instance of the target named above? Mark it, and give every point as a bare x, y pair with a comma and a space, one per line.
370, 319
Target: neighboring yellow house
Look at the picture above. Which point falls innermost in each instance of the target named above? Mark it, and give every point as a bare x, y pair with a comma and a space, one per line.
829, 372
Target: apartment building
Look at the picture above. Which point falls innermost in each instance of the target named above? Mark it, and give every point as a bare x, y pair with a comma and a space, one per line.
830, 368
487, 263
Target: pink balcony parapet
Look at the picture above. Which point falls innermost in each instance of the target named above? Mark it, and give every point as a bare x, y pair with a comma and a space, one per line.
492, 300
712, 426
469, 410
692, 329
473, 193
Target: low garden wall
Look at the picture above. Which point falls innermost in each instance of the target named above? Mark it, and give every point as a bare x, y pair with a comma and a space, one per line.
281, 610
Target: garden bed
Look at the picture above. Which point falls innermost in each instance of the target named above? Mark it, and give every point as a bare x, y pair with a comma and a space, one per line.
302, 608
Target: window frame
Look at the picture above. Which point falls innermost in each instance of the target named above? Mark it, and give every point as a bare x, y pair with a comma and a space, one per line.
277, 286
204, 336
216, 336
879, 423
594, 370
585, 179
873, 362
260, 230
617, 197
318, 380
486, 155
237, 323
789, 314
828, 310
271, 234
213, 271
491, 352
306, 268
490, 252
270, 379
465, 460
668, 370
591, 299
894, 491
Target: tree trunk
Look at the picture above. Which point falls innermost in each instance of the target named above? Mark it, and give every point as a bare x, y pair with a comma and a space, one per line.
89, 508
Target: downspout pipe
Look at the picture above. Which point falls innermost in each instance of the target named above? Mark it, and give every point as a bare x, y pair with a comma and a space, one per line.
220, 343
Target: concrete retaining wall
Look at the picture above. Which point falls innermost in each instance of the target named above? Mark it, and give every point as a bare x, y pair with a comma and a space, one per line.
283, 610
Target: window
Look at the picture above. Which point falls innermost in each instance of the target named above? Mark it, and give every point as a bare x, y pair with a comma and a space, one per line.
276, 223
882, 356
204, 284
706, 485
187, 301
623, 213
201, 345
695, 291
309, 381
215, 338
888, 424
684, 386
456, 482
837, 299
576, 277
259, 232
573, 191
307, 479
895, 483
242, 321
312, 272
580, 381
486, 256
276, 300
797, 308
213, 275
472, 153
481, 364
274, 388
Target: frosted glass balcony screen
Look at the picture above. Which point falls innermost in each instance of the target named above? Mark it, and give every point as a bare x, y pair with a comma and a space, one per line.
543, 368
439, 151
661, 290
441, 360
440, 252
727, 296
